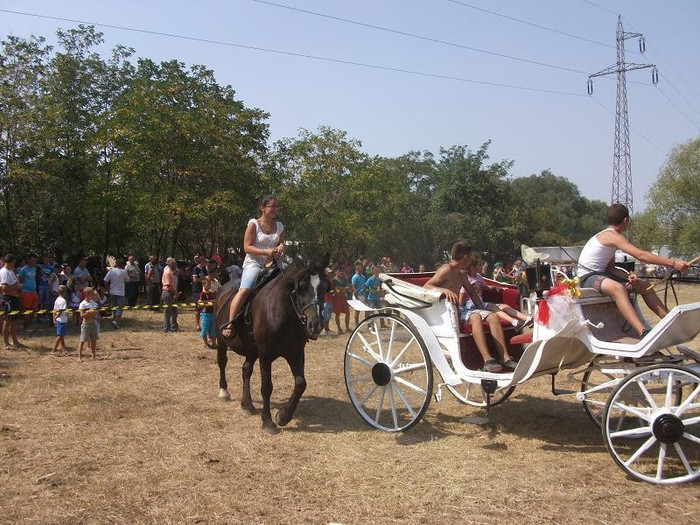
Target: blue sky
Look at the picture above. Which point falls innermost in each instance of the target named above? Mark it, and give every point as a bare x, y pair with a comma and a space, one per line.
393, 112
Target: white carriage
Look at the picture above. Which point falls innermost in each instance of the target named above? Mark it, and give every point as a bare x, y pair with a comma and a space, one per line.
644, 394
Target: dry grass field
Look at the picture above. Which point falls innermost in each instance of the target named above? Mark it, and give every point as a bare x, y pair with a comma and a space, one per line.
141, 437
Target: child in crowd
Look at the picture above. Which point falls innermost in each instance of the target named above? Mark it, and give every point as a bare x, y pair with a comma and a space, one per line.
60, 319
373, 284
327, 305
89, 329
359, 291
74, 304
206, 318
340, 299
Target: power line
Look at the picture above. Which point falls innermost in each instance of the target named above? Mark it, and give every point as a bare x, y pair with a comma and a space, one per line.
600, 7
631, 127
420, 37
679, 109
680, 94
532, 24
298, 55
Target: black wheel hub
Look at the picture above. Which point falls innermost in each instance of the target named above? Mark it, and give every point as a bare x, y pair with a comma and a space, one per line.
381, 374
668, 429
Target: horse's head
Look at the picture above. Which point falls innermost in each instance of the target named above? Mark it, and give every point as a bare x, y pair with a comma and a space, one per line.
308, 287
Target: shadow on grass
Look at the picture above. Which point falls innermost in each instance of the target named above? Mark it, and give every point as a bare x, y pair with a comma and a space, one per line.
326, 415
559, 424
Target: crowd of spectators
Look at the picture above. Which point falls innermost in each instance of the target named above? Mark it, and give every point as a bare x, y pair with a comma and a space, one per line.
50, 292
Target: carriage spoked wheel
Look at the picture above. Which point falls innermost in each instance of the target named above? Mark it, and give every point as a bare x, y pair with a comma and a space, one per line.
651, 424
603, 375
473, 394
598, 381
388, 373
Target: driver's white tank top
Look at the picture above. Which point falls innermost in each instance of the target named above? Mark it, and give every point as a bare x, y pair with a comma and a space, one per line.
595, 257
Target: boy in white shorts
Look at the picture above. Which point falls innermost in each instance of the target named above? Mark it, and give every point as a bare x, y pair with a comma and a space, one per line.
89, 329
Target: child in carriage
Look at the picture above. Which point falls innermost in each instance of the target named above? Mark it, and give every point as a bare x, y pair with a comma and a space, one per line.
515, 318
449, 279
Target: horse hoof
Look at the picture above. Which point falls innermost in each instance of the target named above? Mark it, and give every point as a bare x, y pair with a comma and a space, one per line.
249, 409
271, 429
224, 395
283, 422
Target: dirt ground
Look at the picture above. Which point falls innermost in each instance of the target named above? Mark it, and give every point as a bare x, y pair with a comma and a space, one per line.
141, 437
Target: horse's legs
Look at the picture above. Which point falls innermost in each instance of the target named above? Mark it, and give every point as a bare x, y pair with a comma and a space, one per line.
269, 426
296, 365
246, 400
222, 359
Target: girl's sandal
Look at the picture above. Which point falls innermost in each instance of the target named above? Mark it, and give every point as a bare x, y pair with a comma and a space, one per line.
230, 326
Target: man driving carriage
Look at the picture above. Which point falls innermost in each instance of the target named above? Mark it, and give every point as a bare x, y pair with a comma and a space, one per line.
596, 268
450, 278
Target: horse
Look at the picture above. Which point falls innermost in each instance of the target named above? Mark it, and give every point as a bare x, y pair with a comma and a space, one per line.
284, 314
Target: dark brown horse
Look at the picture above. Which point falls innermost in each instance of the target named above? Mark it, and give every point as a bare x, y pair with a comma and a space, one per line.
285, 314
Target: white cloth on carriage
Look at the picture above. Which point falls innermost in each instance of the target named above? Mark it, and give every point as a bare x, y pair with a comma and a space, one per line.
408, 295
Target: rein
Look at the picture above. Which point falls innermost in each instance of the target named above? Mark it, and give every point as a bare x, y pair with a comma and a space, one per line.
299, 310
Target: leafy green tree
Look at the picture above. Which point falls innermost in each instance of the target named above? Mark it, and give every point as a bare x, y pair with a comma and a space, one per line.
70, 112
189, 158
324, 207
22, 64
675, 203
551, 211
470, 201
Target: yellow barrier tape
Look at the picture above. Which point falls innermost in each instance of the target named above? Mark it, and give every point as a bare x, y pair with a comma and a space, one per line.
112, 308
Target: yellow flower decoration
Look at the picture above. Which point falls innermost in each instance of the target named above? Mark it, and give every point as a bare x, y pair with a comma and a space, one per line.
572, 285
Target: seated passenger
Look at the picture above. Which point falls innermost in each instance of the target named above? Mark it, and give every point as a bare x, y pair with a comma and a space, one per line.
513, 317
449, 279
596, 268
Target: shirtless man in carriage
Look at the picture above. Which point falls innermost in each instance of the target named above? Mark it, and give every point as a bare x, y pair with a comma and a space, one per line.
449, 279
596, 268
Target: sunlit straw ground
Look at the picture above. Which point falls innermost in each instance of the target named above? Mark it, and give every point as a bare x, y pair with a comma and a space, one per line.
140, 437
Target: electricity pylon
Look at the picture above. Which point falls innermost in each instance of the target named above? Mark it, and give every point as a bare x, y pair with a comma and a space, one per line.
622, 163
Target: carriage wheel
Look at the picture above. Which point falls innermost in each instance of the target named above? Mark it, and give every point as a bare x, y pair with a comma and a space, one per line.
473, 394
601, 377
652, 424
388, 373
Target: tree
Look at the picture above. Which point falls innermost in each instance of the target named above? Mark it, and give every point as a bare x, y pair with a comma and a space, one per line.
674, 202
470, 201
189, 158
551, 211
22, 64
324, 206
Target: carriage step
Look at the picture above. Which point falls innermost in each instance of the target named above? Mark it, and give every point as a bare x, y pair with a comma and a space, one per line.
560, 391
563, 392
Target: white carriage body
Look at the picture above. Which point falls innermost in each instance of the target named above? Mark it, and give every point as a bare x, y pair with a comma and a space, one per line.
568, 341
628, 388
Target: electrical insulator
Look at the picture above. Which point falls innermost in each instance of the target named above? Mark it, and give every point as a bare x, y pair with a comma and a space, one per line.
590, 86
654, 75
642, 44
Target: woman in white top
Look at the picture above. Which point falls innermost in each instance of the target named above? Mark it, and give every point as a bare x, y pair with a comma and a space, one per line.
264, 238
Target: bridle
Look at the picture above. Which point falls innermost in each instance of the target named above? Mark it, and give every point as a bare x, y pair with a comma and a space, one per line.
299, 310
294, 296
